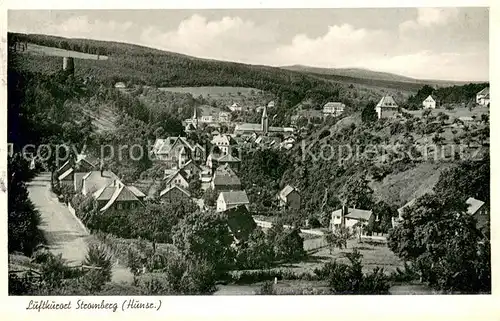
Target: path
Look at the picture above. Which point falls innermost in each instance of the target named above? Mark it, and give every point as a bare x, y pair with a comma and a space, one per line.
65, 234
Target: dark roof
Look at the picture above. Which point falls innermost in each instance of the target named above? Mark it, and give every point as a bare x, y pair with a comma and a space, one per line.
387, 101
240, 222
235, 197
224, 175
484, 91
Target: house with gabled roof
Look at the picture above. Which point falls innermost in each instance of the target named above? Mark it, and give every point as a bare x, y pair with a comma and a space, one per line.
479, 210
175, 150
386, 107
225, 179
289, 197
231, 199
240, 222
483, 97
333, 109
80, 164
224, 143
173, 193
117, 196
177, 178
191, 169
217, 160
429, 102
352, 218
95, 180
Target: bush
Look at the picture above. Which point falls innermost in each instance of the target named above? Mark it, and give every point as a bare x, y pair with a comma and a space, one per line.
267, 289
349, 278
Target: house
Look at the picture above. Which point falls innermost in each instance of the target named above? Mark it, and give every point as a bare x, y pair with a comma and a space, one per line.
262, 128
386, 107
429, 102
224, 117
333, 109
351, 218
235, 108
95, 180
191, 169
225, 179
224, 142
176, 151
231, 199
479, 210
483, 97
289, 196
120, 85
173, 193
177, 178
216, 160
66, 173
397, 220
117, 196
240, 222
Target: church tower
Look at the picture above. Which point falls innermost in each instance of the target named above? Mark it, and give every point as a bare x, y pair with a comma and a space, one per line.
195, 118
264, 121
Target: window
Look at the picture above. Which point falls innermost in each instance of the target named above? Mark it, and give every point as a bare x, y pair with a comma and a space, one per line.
119, 206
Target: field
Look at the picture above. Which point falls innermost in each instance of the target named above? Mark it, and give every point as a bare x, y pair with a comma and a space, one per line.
244, 96
51, 51
455, 113
214, 91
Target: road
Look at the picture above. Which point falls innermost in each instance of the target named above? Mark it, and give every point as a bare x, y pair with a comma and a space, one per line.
65, 234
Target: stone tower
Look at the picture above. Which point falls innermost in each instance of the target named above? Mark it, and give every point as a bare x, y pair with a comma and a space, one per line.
264, 121
69, 65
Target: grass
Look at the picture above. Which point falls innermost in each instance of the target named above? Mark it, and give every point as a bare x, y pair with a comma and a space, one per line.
402, 187
211, 91
51, 51
454, 113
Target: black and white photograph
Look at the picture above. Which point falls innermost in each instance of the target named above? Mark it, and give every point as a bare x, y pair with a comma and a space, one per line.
238, 152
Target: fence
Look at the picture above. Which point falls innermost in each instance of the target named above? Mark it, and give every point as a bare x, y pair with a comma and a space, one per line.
265, 224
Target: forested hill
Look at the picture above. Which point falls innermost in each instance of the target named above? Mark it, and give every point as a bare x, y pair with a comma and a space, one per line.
135, 64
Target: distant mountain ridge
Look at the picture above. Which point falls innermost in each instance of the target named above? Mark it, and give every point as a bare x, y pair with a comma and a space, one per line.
369, 74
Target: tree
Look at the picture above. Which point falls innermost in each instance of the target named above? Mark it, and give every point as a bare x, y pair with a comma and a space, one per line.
288, 244
338, 238
98, 258
205, 236
357, 193
156, 221
210, 197
369, 114
349, 278
257, 252
443, 243
23, 218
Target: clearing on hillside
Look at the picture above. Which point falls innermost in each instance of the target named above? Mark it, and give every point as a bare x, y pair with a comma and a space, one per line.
51, 51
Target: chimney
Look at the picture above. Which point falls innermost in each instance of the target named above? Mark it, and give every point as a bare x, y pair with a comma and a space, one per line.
345, 211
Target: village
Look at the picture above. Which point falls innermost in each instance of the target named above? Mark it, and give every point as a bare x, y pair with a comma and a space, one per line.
136, 170
214, 169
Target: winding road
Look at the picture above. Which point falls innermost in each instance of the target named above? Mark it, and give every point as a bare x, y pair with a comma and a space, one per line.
65, 234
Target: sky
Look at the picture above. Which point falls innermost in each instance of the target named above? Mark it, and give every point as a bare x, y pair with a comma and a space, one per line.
425, 43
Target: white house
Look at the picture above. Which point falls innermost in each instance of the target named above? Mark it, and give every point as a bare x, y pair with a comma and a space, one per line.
231, 199
333, 108
223, 142
483, 97
429, 102
349, 217
177, 178
235, 107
